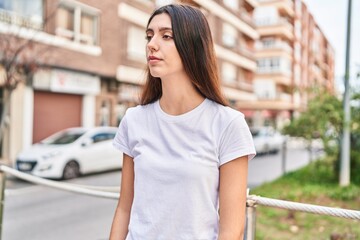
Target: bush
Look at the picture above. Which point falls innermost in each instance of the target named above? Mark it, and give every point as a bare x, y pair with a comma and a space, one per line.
355, 167
354, 159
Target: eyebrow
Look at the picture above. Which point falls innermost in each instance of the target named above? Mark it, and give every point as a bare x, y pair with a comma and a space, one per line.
162, 29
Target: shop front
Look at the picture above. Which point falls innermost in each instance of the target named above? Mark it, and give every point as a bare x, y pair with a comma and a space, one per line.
63, 99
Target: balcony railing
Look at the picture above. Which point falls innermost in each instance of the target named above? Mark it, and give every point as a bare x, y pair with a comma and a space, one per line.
247, 17
247, 52
23, 21
290, 2
284, 97
246, 86
275, 45
263, 22
273, 70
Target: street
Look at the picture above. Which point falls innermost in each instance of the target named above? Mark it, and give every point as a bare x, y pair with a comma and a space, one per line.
39, 213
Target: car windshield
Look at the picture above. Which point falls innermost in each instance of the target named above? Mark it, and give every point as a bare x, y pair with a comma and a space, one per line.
63, 138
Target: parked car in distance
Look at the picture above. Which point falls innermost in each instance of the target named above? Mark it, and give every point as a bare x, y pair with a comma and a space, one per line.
267, 140
71, 153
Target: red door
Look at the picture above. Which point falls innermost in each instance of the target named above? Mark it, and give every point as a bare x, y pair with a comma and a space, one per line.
54, 112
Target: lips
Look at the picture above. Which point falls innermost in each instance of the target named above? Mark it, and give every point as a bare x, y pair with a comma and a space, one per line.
153, 58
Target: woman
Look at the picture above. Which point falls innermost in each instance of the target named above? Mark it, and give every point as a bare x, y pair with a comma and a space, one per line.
186, 153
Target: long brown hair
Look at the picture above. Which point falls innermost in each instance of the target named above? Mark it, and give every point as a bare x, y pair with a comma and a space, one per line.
194, 43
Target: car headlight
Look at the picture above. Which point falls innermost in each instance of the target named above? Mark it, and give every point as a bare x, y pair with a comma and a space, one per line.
51, 155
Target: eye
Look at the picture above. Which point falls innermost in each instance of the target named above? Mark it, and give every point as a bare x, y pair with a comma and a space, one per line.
167, 36
148, 37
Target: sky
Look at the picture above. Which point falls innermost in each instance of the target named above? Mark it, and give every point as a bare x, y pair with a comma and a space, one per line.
331, 16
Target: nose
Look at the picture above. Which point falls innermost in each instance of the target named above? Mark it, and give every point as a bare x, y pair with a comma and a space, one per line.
152, 44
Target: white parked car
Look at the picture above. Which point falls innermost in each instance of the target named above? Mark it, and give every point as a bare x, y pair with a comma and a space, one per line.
70, 153
267, 140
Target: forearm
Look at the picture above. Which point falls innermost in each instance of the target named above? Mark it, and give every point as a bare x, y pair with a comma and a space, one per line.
119, 228
232, 230
231, 235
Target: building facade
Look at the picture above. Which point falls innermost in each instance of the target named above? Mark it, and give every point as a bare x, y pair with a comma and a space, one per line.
293, 56
269, 52
77, 50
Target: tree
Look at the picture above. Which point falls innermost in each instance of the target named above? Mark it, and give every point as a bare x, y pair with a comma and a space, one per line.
19, 59
16, 64
323, 119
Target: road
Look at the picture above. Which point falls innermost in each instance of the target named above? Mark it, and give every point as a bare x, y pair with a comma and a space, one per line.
35, 212
266, 168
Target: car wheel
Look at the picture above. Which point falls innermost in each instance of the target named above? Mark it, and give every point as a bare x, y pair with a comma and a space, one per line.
71, 170
275, 151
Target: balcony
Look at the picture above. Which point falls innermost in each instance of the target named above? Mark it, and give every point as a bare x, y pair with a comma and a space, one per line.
317, 72
285, 7
246, 17
246, 86
235, 94
275, 45
237, 59
14, 18
268, 104
247, 52
276, 48
272, 26
275, 74
285, 97
275, 69
229, 17
253, 3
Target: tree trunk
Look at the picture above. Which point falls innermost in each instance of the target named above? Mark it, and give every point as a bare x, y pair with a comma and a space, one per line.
5, 113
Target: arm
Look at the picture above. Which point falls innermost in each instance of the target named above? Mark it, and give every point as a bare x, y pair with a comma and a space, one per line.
119, 228
232, 198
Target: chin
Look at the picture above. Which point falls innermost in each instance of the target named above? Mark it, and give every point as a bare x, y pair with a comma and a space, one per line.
155, 74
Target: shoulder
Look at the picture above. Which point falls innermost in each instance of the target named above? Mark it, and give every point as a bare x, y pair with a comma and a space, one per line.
137, 111
225, 114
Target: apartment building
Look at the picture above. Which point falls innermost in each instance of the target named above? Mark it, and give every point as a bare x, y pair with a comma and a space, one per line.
317, 57
293, 56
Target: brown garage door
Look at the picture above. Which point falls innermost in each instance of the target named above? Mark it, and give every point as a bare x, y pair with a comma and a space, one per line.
54, 112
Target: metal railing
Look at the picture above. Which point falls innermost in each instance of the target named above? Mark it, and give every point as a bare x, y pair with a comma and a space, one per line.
12, 17
113, 193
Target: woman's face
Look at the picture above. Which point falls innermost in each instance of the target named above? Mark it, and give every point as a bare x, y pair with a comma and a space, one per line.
162, 56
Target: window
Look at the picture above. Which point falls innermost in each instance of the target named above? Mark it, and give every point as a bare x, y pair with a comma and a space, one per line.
265, 89
100, 137
233, 4
274, 63
228, 73
265, 16
136, 43
163, 2
270, 65
297, 47
268, 42
298, 28
229, 35
22, 12
78, 22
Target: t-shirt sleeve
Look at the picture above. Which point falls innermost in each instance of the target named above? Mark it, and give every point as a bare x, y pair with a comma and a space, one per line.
236, 141
121, 139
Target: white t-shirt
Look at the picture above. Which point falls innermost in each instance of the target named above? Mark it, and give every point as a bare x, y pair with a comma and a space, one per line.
176, 164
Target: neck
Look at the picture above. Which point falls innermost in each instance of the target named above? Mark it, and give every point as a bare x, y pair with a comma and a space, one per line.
179, 95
